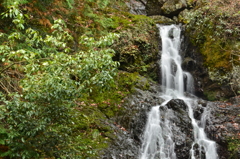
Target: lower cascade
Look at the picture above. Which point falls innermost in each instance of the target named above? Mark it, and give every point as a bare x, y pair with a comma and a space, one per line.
158, 139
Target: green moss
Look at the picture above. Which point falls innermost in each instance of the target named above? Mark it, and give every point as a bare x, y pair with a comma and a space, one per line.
211, 96
89, 129
233, 144
215, 55
137, 47
108, 103
233, 147
216, 52
158, 19
124, 20
95, 109
207, 28
120, 22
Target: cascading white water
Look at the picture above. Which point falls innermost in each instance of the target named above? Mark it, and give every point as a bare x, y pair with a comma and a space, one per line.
200, 138
157, 139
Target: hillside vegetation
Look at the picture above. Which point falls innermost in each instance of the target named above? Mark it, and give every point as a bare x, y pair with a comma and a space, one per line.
59, 83
67, 66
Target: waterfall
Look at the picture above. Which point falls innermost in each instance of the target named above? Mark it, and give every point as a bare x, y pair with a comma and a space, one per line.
157, 138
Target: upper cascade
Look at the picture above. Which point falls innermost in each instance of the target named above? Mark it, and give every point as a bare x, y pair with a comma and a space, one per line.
173, 77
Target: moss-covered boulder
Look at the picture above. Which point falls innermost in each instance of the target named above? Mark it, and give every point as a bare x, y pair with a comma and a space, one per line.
172, 8
162, 19
169, 8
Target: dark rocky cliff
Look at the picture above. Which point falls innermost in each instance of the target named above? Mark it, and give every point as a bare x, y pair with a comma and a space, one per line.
222, 125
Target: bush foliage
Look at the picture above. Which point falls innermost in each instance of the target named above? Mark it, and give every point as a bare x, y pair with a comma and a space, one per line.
46, 87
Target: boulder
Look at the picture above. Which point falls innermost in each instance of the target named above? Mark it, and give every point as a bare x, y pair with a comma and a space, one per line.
158, 19
137, 7
172, 8
181, 128
168, 8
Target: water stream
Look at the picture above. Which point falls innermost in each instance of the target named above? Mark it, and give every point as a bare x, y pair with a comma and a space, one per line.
158, 138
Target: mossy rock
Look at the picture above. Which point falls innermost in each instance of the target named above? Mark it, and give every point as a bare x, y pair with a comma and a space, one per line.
172, 7
210, 95
137, 49
158, 19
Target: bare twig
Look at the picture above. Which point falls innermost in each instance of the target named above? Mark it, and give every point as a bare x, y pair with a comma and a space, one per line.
4, 69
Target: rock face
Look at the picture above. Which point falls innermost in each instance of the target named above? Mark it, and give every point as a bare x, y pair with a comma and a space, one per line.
153, 7
173, 8
193, 62
181, 128
223, 126
130, 125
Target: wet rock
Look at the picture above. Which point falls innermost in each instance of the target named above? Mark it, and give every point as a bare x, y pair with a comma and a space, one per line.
181, 128
202, 102
199, 151
131, 123
189, 63
177, 105
197, 113
223, 127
